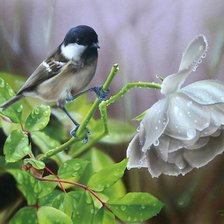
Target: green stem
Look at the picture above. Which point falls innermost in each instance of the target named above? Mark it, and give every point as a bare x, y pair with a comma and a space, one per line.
103, 112
80, 133
97, 102
103, 106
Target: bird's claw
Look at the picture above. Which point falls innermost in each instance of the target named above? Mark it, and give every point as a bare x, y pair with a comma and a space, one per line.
101, 93
73, 133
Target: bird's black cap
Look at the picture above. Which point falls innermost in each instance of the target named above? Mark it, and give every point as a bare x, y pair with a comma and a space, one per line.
82, 35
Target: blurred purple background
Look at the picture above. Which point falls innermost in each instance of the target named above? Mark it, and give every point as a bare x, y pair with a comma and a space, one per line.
145, 38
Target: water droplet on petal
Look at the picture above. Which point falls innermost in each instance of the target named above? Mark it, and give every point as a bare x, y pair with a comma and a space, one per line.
204, 55
200, 61
191, 133
156, 143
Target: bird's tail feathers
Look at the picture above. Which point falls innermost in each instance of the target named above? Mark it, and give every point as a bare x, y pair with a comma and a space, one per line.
13, 100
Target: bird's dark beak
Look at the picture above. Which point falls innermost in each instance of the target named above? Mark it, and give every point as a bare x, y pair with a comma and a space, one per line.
95, 45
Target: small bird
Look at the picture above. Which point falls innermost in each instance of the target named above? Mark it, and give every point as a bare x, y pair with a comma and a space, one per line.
64, 74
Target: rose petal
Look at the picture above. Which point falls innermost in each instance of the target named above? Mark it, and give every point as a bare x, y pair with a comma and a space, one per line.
190, 60
153, 124
200, 157
135, 155
194, 51
186, 118
205, 92
173, 82
156, 166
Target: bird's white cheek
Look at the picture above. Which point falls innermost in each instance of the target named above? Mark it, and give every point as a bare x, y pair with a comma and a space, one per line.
72, 51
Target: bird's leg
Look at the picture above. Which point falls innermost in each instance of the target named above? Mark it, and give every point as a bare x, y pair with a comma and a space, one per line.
100, 93
74, 130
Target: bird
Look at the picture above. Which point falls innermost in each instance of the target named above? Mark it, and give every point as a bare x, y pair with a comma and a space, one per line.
63, 76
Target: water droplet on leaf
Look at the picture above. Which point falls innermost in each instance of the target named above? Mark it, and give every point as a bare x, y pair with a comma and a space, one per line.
2, 83
36, 110
77, 166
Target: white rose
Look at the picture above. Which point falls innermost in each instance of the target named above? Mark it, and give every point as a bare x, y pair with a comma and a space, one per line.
184, 130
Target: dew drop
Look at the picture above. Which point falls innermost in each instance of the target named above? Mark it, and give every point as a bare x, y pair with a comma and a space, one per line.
204, 55
77, 166
92, 211
116, 173
65, 165
200, 61
45, 113
123, 208
138, 128
100, 187
156, 143
156, 128
88, 200
19, 109
191, 133
11, 93
189, 103
2, 83
36, 111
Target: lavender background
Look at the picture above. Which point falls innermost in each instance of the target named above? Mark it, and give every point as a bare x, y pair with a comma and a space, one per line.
146, 38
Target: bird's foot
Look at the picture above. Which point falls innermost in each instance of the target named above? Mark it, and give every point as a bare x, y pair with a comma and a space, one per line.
100, 93
74, 130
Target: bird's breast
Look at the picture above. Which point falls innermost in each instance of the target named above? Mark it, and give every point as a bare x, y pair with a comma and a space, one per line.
60, 87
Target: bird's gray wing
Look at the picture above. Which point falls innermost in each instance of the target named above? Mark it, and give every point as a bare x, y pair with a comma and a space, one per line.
46, 70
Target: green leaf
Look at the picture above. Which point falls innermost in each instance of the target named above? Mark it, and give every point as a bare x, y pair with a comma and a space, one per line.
85, 210
98, 160
16, 146
14, 112
43, 141
25, 215
38, 118
64, 202
72, 169
119, 132
49, 215
135, 207
44, 188
48, 199
39, 165
104, 216
27, 184
107, 177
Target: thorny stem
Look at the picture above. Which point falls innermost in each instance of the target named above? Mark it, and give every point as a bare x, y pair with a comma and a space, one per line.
60, 181
80, 133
